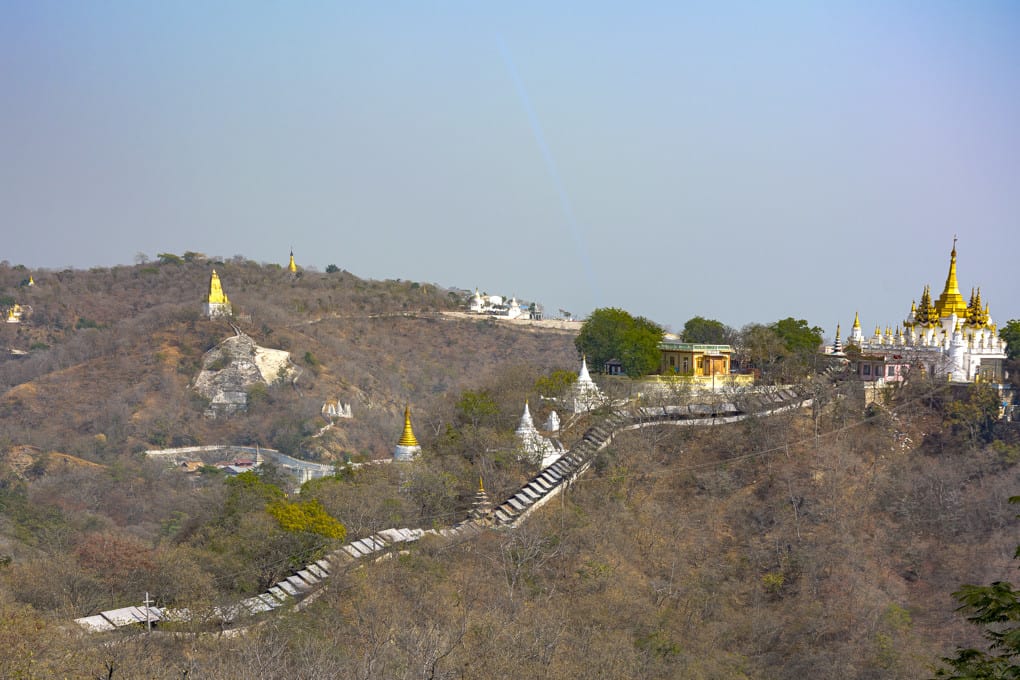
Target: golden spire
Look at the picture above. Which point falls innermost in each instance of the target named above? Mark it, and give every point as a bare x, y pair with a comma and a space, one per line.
216, 294
407, 438
857, 320
951, 302
481, 485
292, 266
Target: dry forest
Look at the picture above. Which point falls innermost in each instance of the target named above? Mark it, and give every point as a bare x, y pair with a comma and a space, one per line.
824, 542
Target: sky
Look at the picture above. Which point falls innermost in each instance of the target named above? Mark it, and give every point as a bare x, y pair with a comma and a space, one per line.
740, 161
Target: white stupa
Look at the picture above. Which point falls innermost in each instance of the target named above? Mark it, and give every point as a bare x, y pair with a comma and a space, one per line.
534, 445
586, 394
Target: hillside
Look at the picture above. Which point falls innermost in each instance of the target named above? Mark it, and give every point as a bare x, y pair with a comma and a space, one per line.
113, 352
818, 543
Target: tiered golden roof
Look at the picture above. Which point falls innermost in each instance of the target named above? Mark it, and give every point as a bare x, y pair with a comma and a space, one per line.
977, 315
925, 314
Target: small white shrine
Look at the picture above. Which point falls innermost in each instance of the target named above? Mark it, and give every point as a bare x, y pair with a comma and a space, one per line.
586, 395
535, 446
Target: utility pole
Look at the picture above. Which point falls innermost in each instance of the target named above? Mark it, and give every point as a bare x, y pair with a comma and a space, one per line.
148, 618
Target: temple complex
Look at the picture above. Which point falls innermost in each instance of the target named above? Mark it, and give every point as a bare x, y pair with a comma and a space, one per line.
951, 337
217, 303
495, 305
408, 448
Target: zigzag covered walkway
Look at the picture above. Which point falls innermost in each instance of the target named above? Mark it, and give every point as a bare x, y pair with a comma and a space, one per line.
541, 488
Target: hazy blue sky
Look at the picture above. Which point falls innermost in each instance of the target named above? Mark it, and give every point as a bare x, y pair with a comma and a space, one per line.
743, 161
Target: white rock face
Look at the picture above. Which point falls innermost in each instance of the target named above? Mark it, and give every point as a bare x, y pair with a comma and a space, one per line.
232, 367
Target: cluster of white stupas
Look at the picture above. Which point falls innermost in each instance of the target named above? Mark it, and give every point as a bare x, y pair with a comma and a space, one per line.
495, 305
536, 447
584, 396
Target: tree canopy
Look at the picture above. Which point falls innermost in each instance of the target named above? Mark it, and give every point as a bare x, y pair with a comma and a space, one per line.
1011, 334
708, 331
797, 336
996, 608
611, 333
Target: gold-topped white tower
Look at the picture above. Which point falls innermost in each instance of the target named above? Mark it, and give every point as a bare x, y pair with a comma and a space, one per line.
217, 303
408, 448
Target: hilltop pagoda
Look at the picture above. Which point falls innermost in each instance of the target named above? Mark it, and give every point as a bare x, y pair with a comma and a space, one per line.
951, 337
217, 303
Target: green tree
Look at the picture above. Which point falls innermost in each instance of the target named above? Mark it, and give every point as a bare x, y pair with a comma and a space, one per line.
996, 608
797, 336
556, 383
708, 331
975, 416
761, 345
612, 333
476, 408
309, 516
169, 258
1011, 334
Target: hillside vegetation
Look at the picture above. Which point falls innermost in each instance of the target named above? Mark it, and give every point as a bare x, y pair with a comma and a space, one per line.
113, 352
821, 543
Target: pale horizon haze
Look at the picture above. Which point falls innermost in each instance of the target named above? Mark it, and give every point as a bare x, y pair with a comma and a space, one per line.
740, 161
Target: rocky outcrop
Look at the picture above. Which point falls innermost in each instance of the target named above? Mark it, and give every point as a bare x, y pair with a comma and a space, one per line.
231, 368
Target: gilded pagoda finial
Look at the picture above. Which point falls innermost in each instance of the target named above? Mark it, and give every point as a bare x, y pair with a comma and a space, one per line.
951, 302
408, 438
216, 294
